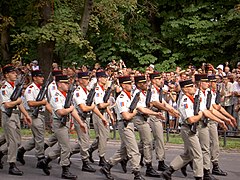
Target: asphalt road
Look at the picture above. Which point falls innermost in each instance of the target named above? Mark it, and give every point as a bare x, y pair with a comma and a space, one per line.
229, 161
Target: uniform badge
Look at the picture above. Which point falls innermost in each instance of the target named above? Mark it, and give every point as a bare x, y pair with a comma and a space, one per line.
77, 94
53, 88
185, 100
121, 104
97, 88
97, 95
185, 106
56, 99
3, 92
29, 91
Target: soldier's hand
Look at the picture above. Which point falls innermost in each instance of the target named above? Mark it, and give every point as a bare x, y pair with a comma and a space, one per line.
44, 102
234, 121
174, 113
229, 122
200, 113
28, 120
105, 122
71, 108
83, 126
160, 115
223, 125
134, 112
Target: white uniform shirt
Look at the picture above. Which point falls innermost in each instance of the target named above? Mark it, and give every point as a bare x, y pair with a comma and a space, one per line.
142, 100
57, 102
99, 95
203, 100
31, 94
123, 103
186, 108
155, 95
52, 88
79, 97
6, 92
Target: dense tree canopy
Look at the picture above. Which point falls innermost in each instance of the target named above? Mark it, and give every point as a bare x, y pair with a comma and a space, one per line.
165, 33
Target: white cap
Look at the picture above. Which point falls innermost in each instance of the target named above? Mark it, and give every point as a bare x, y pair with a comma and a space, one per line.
151, 65
220, 66
35, 62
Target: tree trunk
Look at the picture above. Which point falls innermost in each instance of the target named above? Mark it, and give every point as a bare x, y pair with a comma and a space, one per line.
45, 50
5, 40
88, 4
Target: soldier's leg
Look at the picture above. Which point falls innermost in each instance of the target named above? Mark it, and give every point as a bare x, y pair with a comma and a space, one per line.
103, 137
214, 149
157, 130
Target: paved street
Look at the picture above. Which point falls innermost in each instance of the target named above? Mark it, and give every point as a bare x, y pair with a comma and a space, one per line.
229, 162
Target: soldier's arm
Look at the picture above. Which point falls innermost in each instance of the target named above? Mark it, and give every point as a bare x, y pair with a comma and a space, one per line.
65, 111
12, 104
128, 115
195, 118
37, 103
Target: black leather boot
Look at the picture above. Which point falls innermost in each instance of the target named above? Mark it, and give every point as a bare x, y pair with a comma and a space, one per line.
217, 171
90, 152
198, 178
184, 170
162, 166
124, 165
13, 170
168, 173
137, 175
102, 161
150, 172
106, 171
43, 164
1, 163
66, 174
45, 146
141, 160
87, 167
207, 175
39, 159
20, 155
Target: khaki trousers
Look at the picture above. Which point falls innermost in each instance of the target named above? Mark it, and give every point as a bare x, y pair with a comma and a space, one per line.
192, 151
11, 127
128, 147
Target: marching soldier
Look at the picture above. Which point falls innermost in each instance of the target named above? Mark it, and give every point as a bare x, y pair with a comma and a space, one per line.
102, 131
203, 129
140, 122
129, 145
11, 125
38, 123
80, 98
61, 130
155, 123
192, 148
52, 88
213, 129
